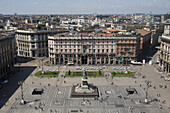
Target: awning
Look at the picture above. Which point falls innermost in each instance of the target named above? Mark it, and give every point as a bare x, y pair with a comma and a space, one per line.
70, 62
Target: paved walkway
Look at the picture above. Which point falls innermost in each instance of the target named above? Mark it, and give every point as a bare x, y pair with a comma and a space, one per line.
149, 71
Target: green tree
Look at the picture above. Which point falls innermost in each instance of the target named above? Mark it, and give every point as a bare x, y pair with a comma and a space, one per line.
99, 72
69, 72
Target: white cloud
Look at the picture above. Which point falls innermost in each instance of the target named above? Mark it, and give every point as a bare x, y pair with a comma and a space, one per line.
35, 3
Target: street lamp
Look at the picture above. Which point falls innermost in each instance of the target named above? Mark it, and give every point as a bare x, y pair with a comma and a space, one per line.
22, 95
146, 98
42, 66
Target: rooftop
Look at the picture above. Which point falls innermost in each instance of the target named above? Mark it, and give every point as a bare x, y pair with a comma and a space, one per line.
143, 32
127, 34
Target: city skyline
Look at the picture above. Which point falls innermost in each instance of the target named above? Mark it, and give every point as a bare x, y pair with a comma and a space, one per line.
84, 7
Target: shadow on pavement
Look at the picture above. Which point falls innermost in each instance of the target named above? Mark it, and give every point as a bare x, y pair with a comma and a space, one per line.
8, 89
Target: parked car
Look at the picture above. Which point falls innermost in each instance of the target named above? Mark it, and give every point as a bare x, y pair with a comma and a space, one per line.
128, 68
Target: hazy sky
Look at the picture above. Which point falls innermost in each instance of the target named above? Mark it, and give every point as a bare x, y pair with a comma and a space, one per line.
84, 6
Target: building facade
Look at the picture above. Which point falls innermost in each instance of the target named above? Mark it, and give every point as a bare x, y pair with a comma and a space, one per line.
32, 43
93, 49
7, 54
164, 53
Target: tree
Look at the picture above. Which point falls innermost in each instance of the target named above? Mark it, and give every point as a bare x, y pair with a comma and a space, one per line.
99, 72
69, 72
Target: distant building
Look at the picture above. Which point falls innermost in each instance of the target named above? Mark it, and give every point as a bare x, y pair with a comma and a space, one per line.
7, 54
93, 49
145, 40
165, 17
164, 53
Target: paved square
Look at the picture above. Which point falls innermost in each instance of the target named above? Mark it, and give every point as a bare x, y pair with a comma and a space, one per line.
57, 100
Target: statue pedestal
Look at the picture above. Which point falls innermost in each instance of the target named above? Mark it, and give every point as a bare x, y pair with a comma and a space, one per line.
84, 90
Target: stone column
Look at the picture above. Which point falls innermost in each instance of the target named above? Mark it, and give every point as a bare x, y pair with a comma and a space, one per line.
54, 60
63, 59
108, 60
96, 61
88, 60
104, 60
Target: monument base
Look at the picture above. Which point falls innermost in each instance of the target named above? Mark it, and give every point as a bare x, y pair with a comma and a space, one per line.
93, 94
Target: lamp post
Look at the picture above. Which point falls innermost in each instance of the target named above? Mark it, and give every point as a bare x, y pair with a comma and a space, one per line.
42, 66
146, 98
22, 95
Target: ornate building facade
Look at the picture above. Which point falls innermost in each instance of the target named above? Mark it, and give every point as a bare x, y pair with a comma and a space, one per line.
93, 49
164, 53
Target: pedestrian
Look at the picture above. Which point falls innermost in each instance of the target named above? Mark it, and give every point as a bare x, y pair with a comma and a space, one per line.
160, 106
165, 86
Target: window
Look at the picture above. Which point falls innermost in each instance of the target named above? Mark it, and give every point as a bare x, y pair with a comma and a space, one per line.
74, 50
89, 50
112, 50
65, 46
103, 50
94, 50
107, 50
98, 50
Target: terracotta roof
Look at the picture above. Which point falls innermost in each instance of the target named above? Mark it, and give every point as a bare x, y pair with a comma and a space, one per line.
110, 30
143, 32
